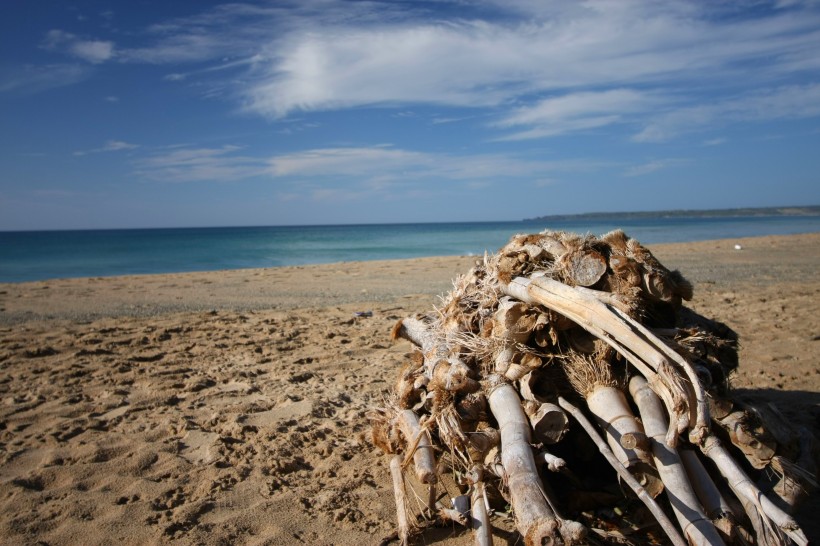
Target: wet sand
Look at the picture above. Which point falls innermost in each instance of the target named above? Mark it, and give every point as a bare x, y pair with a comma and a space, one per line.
230, 407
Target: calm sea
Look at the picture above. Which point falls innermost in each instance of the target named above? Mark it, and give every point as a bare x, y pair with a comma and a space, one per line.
29, 256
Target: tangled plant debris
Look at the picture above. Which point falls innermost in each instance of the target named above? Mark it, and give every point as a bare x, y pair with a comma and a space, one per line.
562, 382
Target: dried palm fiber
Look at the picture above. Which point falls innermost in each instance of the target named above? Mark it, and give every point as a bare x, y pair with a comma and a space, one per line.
554, 317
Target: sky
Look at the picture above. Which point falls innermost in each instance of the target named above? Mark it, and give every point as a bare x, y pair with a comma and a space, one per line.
142, 113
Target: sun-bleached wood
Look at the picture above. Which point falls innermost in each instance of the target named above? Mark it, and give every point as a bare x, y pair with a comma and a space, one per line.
745, 488
534, 518
549, 422
419, 440
665, 523
482, 531
697, 528
400, 497
654, 359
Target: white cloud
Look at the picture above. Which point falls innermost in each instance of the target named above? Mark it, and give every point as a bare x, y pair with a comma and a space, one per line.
33, 79
374, 168
542, 68
388, 164
477, 62
110, 146
575, 112
95, 51
201, 165
714, 141
653, 166
348, 162
92, 51
787, 102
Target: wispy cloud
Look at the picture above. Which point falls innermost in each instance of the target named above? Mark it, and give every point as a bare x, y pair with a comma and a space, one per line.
653, 166
384, 163
92, 51
221, 164
110, 146
576, 111
34, 79
542, 69
714, 141
786, 102
375, 168
483, 62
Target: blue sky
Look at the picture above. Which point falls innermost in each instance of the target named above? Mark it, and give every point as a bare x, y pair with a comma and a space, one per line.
159, 114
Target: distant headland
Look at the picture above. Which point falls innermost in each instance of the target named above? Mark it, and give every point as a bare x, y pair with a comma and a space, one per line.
709, 213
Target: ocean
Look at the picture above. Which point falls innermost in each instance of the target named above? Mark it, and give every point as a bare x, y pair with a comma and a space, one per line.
41, 255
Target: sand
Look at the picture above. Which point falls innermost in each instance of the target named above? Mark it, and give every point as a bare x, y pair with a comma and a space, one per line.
230, 407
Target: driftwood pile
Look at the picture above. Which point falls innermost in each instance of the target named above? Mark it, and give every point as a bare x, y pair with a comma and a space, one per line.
562, 382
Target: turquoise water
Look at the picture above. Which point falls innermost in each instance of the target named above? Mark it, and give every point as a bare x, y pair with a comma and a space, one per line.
39, 255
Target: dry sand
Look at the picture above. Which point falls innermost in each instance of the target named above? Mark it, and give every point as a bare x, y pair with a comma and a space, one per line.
230, 407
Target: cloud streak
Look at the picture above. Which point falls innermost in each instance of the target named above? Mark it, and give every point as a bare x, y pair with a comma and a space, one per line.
372, 163
110, 146
34, 79
655, 69
91, 51
221, 164
375, 167
782, 103
479, 63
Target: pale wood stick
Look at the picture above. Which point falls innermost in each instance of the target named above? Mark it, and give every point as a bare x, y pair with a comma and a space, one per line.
702, 426
598, 319
448, 371
534, 518
519, 288
554, 464
482, 532
665, 523
419, 444
416, 332
401, 498
713, 502
696, 527
651, 348
614, 416
744, 487
549, 423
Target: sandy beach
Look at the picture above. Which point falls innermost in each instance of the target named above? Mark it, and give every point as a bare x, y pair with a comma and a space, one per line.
230, 407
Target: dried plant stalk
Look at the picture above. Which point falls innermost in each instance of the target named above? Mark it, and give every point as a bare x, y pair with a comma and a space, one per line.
534, 518
667, 525
714, 505
698, 529
612, 412
640, 347
421, 447
482, 532
549, 423
746, 490
401, 498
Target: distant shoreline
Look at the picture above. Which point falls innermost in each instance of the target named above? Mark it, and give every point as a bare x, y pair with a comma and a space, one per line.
683, 213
